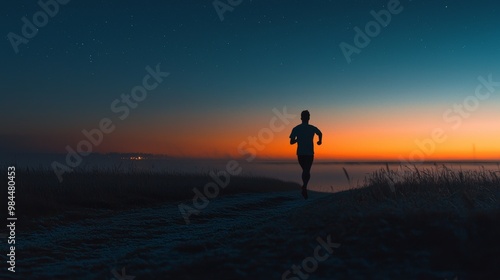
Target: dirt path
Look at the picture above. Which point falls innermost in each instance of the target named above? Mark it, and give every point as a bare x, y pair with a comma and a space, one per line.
153, 240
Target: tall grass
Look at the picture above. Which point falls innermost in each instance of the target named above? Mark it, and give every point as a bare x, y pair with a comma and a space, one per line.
474, 187
433, 220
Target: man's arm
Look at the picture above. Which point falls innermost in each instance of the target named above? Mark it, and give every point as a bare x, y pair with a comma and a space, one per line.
293, 137
320, 135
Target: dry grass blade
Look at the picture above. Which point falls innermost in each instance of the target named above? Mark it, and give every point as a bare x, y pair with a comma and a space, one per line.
347, 176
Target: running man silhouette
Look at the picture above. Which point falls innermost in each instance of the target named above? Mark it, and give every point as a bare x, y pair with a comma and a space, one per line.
303, 134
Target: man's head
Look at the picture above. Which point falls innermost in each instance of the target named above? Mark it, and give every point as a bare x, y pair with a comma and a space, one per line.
304, 116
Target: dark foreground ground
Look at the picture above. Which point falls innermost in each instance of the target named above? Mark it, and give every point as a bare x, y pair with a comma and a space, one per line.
413, 224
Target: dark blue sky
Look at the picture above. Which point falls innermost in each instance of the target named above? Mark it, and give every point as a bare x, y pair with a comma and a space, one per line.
264, 54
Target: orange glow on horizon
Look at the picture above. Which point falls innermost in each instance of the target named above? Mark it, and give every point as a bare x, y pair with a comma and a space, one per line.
362, 137
337, 145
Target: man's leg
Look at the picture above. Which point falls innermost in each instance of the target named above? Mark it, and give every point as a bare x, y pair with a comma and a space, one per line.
305, 162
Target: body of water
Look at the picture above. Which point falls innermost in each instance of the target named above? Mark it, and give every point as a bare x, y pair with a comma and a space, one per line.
325, 176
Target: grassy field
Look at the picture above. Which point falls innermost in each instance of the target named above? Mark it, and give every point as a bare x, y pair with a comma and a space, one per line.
39, 193
409, 223
433, 223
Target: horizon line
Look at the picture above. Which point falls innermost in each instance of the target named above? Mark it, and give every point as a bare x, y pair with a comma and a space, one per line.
153, 156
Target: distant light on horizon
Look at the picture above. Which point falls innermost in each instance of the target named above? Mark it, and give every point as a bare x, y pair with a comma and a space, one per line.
135, 158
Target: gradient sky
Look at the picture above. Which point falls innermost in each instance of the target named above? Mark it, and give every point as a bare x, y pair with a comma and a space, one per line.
227, 76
